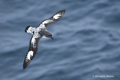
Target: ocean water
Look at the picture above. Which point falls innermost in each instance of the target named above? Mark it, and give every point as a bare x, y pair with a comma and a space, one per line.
86, 43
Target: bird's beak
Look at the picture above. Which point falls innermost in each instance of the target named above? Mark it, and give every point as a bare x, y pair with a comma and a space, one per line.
52, 38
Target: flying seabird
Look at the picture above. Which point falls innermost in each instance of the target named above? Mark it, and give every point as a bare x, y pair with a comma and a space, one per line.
37, 34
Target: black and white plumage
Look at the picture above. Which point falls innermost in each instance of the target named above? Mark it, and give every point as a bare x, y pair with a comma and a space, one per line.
37, 34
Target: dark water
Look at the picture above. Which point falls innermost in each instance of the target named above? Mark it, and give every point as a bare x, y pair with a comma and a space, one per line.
86, 45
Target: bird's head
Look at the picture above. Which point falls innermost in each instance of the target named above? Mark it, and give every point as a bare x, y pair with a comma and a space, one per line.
29, 29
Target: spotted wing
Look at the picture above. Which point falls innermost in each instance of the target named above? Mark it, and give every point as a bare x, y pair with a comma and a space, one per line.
33, 47
52, 19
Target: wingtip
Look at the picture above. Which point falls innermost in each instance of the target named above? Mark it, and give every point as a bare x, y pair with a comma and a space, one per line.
63, 11
26, 63
24, 66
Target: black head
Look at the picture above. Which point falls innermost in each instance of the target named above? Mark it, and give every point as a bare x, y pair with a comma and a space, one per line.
27, 28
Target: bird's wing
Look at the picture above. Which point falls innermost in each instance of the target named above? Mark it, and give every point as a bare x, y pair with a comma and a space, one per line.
52, 19
33, 47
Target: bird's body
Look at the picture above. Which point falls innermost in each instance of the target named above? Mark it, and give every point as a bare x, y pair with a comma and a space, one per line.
37, 34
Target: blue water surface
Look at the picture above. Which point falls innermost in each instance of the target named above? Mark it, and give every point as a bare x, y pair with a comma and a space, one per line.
86, 43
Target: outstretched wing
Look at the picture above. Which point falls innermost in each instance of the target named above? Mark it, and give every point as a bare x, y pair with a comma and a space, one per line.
33, 47
52, 19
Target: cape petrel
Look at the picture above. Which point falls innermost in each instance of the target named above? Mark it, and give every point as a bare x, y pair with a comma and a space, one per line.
37, 34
